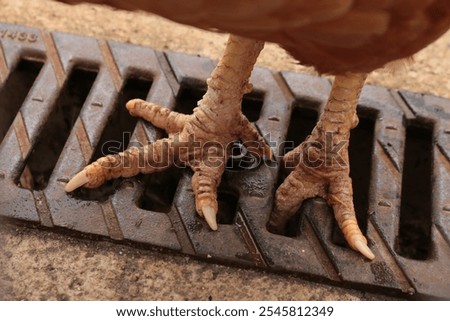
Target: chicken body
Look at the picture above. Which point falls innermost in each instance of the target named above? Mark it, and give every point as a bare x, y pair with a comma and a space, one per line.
346, 38
334, 37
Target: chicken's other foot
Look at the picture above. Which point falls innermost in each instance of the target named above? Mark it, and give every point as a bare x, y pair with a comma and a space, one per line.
320, 165
201, 141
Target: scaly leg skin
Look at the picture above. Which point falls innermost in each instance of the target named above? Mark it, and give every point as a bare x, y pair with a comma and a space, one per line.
320, 166
201, 140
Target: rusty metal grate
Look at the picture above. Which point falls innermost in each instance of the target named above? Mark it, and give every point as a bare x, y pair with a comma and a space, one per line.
61, 99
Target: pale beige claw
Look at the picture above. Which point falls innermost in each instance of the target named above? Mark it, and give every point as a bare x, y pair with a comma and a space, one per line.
210, 216
78, 180
364, 250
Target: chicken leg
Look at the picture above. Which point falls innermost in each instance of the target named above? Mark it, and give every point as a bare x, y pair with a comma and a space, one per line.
320, 165
201, 140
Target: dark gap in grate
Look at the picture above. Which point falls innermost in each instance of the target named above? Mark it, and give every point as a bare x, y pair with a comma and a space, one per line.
414, 235
53, 136
252, 104
360, 155
15, 90
295, 224
304, 118
188, 98
116, 135
227, 201
159, 190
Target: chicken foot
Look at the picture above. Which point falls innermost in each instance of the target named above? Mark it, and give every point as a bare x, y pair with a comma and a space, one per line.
320, 165
201, 140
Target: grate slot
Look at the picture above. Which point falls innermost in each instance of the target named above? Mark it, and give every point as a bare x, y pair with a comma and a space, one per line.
159, 190
294, 226
188, 98
361, 147
15, 90
227, 201
304, 117
51, 141
116, 135
252, 104
414, 235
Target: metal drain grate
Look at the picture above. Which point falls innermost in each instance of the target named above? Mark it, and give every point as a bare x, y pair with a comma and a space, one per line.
61, 99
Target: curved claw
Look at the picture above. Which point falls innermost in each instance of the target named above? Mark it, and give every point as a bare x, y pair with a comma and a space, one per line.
77, 181
210, 216
364, 249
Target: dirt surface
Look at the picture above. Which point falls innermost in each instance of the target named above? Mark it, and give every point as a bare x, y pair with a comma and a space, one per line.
37, 264
43, 265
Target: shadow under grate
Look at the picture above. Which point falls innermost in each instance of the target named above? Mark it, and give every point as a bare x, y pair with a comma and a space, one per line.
399, 165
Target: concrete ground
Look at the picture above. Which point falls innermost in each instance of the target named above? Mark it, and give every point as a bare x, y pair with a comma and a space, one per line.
38, 264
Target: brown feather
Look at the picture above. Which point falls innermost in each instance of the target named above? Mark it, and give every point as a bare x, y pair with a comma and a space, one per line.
333, 36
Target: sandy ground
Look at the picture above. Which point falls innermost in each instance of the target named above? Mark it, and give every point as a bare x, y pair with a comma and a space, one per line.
37, 264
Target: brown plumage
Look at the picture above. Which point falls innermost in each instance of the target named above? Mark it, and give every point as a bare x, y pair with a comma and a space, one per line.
347, 38
332, 36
